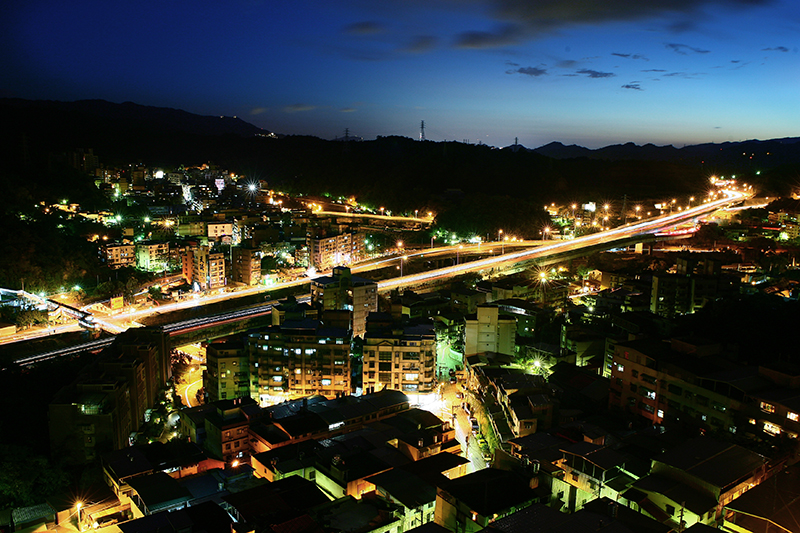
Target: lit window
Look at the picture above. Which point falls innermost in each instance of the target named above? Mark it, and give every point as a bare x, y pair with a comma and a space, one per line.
752, 421
326, 382
620, 368
298, 371
772, 429
277, 379
660, 413
793, 416
768, 407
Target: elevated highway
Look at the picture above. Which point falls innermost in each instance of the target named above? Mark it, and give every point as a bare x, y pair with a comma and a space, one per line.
648, 230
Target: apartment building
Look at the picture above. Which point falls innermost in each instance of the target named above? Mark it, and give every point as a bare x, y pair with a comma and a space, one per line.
489, 330
299, 358
202, 268
400, 357
152, 256
343, 291
118, 255
246, 265
328, 252
227, 373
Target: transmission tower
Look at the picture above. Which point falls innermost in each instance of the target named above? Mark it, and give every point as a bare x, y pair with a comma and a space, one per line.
422, 131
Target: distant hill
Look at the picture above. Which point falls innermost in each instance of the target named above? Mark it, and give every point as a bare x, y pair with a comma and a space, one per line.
397, 172
743, 154
129, 114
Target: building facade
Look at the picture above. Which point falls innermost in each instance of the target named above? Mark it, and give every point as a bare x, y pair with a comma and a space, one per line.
490, 331
328, 252
119, 255
246, 265
343, 291
152, 256
203, 269
299, 359
401, 358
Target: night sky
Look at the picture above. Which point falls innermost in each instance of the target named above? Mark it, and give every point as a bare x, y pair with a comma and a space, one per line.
589, 72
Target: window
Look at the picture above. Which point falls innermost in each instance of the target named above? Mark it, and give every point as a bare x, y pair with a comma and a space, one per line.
793, 416
772, 429
635, 373
326, 383
620, 368
660, 413
670, 509
767, 407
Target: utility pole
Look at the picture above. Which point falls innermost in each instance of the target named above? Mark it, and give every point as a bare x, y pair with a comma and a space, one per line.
625, 206
422, 131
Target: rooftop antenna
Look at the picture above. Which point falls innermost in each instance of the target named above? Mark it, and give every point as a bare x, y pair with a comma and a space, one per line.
422, 131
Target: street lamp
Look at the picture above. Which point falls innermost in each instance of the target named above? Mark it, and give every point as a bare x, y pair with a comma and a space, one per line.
402, 260
460, 246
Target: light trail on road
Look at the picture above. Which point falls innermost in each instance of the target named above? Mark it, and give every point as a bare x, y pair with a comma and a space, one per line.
638, 228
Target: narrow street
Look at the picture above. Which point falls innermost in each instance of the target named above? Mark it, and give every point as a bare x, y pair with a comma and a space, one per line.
453, 411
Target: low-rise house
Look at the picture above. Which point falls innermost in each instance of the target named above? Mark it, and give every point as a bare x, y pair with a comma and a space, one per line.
696, 480
470, 503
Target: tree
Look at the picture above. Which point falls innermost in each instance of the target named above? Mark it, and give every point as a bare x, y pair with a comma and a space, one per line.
27, 479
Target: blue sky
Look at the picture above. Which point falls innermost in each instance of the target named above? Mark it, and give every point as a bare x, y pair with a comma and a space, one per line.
587, 72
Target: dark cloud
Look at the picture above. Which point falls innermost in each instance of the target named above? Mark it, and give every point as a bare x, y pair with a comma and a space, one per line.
775, 49
654, 70
633, 85
736, 60
595, 73
684, 49
630, 56
532, 19
363, 28
348, 110
567, 63
686, 75
296, 108
534, 72
512, 64
422, 43
682, 26
506, 35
